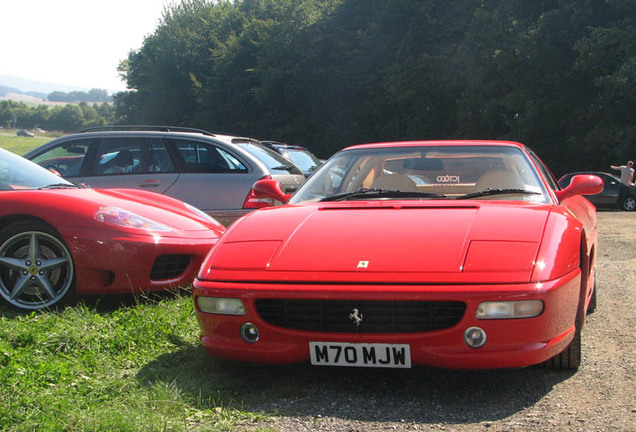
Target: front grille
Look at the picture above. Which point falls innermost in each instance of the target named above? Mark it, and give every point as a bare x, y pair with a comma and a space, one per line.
377, 316
169, 266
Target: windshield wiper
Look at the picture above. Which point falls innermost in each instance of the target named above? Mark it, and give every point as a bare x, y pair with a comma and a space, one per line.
379, 193
60, 186
283, 168
489, 192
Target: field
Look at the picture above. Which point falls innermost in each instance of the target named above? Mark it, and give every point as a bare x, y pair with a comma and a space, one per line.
20, 145
134, 363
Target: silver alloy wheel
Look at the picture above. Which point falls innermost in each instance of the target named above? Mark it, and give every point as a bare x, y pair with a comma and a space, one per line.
629, 204
36, 270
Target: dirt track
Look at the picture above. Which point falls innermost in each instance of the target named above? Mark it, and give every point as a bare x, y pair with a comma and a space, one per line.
600, 396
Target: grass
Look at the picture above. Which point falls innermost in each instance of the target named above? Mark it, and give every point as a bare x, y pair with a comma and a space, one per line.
20, 145
119, 364
128, 367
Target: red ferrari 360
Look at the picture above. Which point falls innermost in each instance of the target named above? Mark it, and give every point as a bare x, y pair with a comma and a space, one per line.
452, 254
58, 239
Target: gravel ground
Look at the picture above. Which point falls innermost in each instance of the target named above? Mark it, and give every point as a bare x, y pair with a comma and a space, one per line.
600, 396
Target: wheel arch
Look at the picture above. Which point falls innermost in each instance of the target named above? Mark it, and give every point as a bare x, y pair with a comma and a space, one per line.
8, 220
587, 264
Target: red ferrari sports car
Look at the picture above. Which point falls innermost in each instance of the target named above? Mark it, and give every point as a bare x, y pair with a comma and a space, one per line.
452, 254
58, 239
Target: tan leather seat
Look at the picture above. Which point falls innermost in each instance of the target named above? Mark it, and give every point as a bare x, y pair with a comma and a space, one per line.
397, 182
498, 180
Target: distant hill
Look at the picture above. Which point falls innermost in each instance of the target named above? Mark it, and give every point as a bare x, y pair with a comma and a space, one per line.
9, 91
22, 90
4, 90
27, 86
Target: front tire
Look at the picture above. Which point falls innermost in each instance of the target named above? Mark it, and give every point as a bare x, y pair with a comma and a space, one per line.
592, 306
629, 204
36, 267
570, 358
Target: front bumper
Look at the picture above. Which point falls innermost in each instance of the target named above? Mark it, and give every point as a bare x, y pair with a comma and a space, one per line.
115, 262
511, 342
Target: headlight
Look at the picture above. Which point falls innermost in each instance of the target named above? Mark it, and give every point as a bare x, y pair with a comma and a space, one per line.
124, 218
201, 214
221, 306
509, 309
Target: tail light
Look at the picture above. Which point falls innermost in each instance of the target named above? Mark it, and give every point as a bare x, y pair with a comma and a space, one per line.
255, 202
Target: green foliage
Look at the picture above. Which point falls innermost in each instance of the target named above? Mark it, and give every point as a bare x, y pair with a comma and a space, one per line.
558, 76
93, 95
67, 118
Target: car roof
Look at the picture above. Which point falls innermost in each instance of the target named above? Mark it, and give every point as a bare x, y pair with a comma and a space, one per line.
448, 143
163, 131
115, 130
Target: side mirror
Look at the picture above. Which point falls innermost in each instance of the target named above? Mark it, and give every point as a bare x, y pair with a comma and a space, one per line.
269, 188
582, 184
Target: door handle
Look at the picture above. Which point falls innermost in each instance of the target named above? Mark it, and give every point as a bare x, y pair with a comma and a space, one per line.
150, 183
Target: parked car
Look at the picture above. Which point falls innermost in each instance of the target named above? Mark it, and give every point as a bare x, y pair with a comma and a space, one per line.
58, 239
614, 195
300, 156
484, 262
281, 169
24, 133
195, 166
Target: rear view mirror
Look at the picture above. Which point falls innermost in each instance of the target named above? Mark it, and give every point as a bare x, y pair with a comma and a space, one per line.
582, 184
269, 188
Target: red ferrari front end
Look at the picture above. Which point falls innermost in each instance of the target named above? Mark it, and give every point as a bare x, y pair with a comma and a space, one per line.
460, 298
130, 262
454, 255
389, 325
136, 241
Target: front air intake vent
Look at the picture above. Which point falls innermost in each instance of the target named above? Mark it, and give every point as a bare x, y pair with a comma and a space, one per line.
169, 266
376, 316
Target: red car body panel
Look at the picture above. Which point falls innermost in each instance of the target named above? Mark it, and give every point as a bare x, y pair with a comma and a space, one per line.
111, 259
470, 251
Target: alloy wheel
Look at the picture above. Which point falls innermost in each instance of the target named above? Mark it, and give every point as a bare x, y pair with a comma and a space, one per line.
36, 270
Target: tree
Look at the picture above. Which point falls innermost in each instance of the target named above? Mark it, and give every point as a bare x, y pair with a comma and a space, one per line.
558, 76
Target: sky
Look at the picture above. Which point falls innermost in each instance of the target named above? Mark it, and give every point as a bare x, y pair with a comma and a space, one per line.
76, 43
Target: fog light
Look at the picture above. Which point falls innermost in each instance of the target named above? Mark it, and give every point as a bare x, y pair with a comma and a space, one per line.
475, 337
249, 333
509, 309
221, 306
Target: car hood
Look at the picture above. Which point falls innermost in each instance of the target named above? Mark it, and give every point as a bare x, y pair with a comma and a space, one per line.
161, 208
378, 242
77, 207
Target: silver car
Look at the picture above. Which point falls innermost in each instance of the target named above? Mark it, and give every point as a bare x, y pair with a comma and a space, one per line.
208, 171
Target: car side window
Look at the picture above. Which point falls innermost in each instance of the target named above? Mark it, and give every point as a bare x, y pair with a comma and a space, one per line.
66, 158
198, 157
132, 156
157, 159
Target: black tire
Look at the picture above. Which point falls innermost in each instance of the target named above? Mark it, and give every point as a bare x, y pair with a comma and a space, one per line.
592, 306
570, 358
36, 268
629, 204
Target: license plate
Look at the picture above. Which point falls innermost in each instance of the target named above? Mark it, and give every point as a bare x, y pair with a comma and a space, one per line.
360, 354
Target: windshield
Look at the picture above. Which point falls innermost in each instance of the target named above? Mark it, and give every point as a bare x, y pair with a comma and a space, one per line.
303, 160
276, 163
19, 173
426, 172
